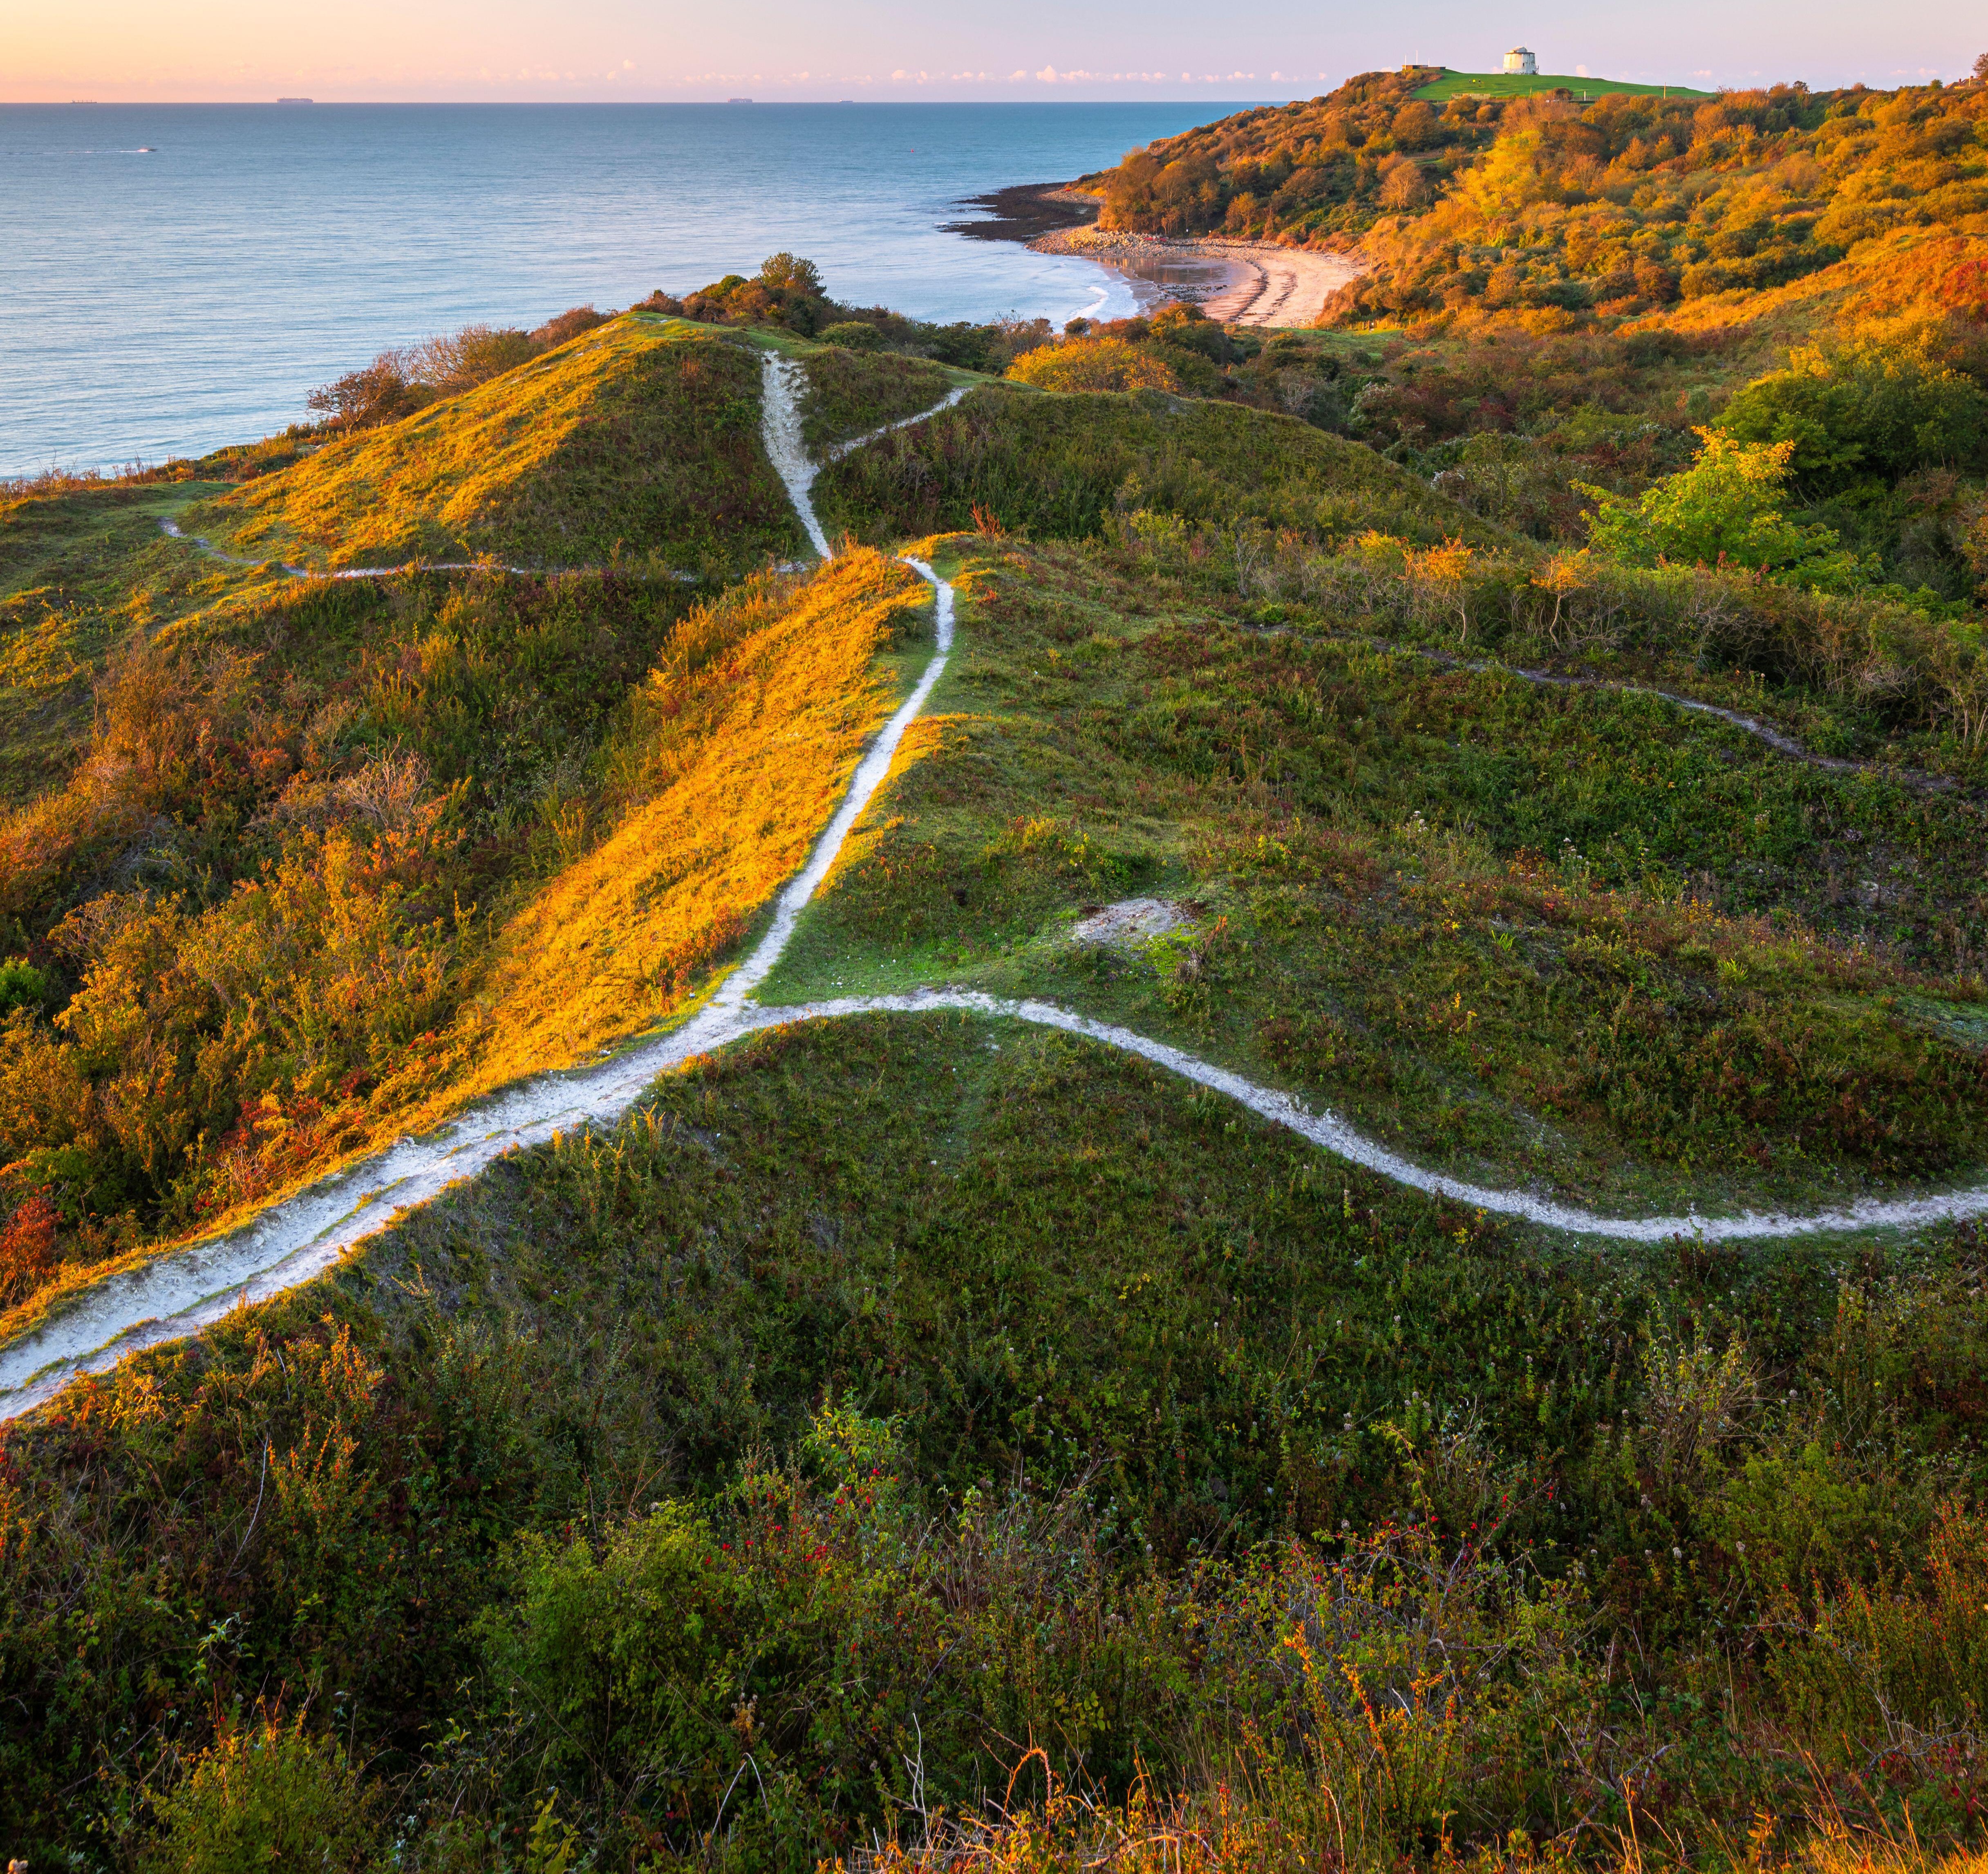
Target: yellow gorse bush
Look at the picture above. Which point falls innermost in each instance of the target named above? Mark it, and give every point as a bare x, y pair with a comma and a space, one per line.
1093, 364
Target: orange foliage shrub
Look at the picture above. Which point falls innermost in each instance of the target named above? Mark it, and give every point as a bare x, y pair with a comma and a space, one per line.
28, 1250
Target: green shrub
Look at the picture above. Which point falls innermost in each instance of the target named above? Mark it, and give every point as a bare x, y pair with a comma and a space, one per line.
852, 335
1724, 509
21, 985
1864, 409
265, 1800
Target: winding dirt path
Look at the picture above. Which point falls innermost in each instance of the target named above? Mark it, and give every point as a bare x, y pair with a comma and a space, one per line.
1332, 1133
181, 1291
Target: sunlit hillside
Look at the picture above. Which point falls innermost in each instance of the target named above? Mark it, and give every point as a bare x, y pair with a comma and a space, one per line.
639, 439
1150, 1097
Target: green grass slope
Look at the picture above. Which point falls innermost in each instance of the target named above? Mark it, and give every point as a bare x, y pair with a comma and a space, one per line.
851, 393
1064, 466
81, 569
919, 1379
1534, 933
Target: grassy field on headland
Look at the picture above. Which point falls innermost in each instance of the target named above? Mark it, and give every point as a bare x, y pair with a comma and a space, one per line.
1549, 732
1441, 89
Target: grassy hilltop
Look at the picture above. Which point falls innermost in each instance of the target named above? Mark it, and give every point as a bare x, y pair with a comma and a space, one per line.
633, 438
1552, 739
1452, 84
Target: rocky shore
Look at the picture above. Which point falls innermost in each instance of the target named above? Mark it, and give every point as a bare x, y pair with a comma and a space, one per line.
1027, 211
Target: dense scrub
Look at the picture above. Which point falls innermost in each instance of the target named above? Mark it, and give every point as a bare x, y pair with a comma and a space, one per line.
400, 381
1580, 284
1627, 203
1062, 466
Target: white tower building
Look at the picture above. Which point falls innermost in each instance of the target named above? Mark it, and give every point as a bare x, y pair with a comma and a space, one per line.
1519, 59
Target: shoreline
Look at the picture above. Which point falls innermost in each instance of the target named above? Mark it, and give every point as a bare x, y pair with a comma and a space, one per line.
1236, 283
1263, 284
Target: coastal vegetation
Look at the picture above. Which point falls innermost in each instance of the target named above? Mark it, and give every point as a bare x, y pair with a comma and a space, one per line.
340, 863
1552, 737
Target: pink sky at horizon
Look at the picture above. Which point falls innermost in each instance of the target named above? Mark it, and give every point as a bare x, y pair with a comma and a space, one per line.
223, 51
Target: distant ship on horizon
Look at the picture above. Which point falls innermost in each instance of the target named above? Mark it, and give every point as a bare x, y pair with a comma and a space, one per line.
296, 100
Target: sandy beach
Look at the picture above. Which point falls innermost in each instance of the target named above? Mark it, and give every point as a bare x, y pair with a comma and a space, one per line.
1244, 283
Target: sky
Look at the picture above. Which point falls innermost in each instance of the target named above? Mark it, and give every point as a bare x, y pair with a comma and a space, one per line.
493, 51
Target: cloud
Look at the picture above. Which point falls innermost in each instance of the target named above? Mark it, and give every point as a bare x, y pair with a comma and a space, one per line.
1049, 75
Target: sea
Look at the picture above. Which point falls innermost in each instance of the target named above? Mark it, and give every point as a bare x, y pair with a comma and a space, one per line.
176, 277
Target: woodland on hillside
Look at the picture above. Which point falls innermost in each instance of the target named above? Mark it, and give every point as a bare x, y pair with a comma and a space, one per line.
1548, 205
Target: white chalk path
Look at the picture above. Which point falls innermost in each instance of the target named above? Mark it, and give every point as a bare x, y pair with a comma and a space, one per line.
181, 1291
780, 429
783, 381
1328, 1131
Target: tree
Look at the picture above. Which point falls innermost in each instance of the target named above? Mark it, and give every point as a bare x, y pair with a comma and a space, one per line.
377, 393
792, 274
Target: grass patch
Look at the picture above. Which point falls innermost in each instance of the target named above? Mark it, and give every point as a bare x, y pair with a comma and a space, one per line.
741, 741
1058, 466
1523, 84
80, 568
850, 393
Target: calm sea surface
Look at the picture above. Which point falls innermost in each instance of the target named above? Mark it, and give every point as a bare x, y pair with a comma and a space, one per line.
178, 277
